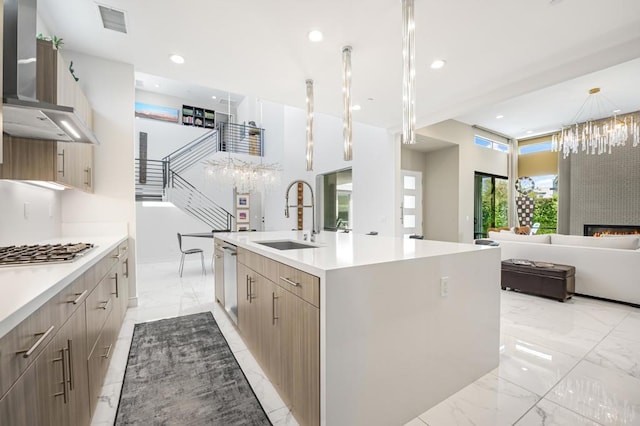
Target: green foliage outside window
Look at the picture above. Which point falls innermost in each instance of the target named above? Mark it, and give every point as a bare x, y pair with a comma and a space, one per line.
546, 214
497, 218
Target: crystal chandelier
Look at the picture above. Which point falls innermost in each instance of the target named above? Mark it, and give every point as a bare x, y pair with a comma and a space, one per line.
408, 73
346, 102
597, 136
309, 83
243, 175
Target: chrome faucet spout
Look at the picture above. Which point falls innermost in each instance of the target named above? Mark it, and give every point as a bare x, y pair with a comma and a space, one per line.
313, 209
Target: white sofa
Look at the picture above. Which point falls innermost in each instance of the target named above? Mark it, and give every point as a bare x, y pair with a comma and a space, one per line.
607, 267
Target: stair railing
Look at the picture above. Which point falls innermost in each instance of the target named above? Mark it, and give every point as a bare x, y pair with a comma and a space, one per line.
187, 197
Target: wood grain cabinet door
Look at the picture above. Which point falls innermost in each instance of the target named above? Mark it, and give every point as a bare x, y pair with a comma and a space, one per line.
300, 357
19, 407
270, 327
63, 384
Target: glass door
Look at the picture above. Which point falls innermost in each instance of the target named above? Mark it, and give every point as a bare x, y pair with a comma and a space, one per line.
411, 205
490, 203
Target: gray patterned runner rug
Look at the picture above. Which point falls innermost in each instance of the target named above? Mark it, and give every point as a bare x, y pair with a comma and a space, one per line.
180, 371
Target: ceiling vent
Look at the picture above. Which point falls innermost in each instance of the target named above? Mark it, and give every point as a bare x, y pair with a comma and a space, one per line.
112, 19
139, 83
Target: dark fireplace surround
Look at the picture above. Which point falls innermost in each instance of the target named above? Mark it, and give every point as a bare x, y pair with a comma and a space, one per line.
599, 230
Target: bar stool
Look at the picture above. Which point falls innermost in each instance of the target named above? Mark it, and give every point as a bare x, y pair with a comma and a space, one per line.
190, 251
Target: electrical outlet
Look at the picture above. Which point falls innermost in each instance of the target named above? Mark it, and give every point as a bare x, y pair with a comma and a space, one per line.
444, 286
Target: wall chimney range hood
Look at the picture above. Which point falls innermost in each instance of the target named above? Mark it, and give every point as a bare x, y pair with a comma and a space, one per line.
23, 115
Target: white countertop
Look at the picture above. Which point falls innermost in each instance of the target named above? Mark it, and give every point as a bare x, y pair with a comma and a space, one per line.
337, 250
26, 288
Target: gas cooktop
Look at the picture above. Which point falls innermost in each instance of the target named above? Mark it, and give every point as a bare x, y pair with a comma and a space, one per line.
42, 253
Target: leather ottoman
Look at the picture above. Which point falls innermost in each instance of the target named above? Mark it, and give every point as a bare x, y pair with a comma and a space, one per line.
539, 278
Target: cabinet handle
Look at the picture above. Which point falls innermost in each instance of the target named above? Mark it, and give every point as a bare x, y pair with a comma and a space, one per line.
64, 376
251, 296
43, 336
115, 277
288, 281
88, 180
105, 304
126, 271
70, 357
77, 299
248, 294
273, 308
108, 348
218, 256
116, 256
62, 155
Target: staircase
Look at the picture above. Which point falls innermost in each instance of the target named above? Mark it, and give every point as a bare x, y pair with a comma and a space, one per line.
161, 180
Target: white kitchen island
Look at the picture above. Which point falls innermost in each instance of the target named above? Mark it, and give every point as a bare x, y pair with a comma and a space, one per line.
394, 341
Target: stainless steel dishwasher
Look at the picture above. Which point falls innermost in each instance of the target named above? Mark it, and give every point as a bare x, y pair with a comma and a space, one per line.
230, 281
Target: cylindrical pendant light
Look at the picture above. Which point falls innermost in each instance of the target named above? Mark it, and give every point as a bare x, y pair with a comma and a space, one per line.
408, 73
346, 93
309, 125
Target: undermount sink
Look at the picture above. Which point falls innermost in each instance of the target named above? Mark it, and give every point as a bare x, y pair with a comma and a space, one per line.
285, 245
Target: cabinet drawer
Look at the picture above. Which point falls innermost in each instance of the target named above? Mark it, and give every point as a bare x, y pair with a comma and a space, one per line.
65, 303
99, 305
300, 283
32, 334
105, 264
251, 260
99, 359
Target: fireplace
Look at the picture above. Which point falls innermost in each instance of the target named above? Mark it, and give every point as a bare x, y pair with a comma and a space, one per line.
599, 230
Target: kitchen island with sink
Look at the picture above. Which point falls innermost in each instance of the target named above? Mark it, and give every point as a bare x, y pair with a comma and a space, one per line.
361, 329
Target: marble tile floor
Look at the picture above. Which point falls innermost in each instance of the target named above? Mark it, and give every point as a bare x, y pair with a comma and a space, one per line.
573, 363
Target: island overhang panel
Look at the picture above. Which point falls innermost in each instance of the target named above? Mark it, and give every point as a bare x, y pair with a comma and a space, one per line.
392, 346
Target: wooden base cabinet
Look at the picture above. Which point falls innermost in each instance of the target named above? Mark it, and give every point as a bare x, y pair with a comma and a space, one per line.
282, 330
62, 376
68, 344
20, 406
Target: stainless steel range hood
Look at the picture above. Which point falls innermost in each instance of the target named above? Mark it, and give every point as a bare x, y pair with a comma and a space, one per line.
23, 115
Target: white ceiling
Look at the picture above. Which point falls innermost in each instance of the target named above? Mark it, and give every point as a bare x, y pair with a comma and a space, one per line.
503, 56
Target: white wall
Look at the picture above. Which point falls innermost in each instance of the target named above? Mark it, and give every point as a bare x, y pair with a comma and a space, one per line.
109, 86
42, 220
471, 159
441, 182
376, 159
374, 168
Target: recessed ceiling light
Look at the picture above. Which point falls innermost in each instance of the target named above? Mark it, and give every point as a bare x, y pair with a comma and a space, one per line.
177, 59
499, 116
438, 63
356, 108
214, 97
529, 132
315, 35
157, 85
615, 111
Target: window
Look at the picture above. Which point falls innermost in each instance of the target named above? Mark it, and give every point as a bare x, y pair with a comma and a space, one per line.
336, 201
491, 144
535, 147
